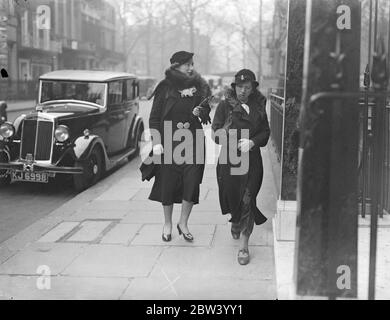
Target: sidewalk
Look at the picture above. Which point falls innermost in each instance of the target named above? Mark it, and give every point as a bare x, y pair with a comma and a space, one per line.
106, 244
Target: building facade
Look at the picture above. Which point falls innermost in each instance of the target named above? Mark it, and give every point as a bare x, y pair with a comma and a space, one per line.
46, 35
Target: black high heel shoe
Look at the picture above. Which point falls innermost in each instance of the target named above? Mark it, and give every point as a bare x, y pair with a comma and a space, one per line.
187, 236
166, 237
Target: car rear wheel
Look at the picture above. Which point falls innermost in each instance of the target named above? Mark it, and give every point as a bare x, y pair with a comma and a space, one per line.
138, 143
92, 171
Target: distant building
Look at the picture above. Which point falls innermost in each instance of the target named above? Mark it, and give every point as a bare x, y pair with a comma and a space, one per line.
46, 35
277, 41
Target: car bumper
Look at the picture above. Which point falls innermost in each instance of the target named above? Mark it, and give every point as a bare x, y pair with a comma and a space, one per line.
36, 167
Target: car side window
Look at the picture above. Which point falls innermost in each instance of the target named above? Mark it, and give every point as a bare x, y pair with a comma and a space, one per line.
131, 89
115, 92
136, 89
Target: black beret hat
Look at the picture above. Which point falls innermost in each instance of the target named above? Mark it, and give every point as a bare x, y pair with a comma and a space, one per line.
181, 57
245, 75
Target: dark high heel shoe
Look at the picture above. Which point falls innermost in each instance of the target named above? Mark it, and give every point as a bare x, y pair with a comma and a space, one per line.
166, 237
187, 236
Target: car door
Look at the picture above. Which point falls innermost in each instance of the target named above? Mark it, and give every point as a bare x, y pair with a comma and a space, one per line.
116, 116
131, 110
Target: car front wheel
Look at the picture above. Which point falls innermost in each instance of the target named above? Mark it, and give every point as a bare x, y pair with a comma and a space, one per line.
92, 171
5, 179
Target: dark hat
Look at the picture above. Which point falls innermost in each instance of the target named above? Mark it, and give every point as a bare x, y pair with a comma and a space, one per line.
181, 57
245, 75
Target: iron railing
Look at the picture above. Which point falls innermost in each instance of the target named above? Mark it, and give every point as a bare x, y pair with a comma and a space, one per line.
276, 123
366, 167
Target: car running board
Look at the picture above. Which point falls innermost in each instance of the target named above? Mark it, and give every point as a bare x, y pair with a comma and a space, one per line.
113, 161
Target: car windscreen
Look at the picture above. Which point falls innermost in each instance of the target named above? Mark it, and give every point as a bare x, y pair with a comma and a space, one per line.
71, 90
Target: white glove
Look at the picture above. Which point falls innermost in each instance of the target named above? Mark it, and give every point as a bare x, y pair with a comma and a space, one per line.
196, 111
245, 145
158, 149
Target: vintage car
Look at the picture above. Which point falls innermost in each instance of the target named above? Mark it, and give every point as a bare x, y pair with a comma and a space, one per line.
85, 123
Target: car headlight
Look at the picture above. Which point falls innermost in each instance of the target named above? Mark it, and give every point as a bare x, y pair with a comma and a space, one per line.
62, 133
7, 130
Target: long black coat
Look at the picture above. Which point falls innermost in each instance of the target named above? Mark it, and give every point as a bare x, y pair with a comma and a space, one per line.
166, 96
230, 115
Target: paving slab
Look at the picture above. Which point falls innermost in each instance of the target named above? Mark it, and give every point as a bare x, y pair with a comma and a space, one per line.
157, 217
31, 233
62, 288
114, 261
134, 183
122, 234
58, 232
212, 217
213, 195
192, 288
89, 231
209, 183
5, 254
56, 256
150, 235
119, 192
108, 214
259, 237
104, 205
213, 262
143, 217
143, 194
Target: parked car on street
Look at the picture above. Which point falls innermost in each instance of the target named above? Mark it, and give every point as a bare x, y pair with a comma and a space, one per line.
85, 123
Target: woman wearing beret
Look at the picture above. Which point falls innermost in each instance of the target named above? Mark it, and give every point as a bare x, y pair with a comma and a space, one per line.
180, 102
243, 108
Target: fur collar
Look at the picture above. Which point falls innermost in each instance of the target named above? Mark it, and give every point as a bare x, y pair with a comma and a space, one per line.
255, 98
181, 80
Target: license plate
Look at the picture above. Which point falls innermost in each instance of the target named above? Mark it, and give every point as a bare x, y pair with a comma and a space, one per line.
40, 177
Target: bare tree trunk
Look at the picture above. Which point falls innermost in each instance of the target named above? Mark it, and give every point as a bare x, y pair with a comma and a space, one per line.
162, 51
260, 70
228, 52
192, 28
148, 37
208, 58
243, 49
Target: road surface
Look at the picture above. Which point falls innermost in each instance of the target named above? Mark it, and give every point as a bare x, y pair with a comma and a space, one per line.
22, 204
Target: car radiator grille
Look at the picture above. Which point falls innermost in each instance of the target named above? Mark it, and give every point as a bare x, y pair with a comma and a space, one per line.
37, 139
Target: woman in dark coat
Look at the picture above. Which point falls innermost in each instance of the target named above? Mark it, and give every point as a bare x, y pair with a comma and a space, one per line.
180, 104
243, 108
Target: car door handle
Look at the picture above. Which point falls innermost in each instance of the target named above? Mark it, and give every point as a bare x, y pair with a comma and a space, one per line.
127, 112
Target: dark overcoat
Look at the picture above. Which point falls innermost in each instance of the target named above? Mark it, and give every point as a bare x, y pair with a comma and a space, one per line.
231, 115
166, 96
